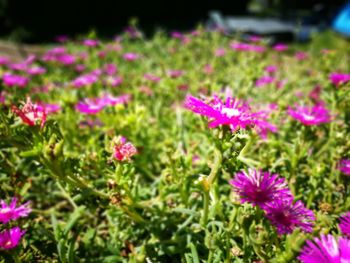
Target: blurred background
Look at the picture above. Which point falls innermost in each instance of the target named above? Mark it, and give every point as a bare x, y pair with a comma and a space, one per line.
37, 21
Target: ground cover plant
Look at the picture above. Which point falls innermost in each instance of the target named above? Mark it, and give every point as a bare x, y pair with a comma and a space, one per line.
192, 147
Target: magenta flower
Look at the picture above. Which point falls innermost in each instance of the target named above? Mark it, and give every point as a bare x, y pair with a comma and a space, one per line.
309, 116
280, 47
247, 47
59, 55
85, 80
344, 166
48, 108
326, 249
10, 238
30, 113
11, 212
339, 78
270, 69
90, 106
287, 216
110, 69
259, 188
152, 77
131, 56
95, 105
12, 80
264, 80
233, 113
344, 224
177, 35
123, 151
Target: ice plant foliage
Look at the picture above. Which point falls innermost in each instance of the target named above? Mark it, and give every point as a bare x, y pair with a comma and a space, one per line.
260, 188
326, 249
12, 212
314, 115
31, 114
234, 113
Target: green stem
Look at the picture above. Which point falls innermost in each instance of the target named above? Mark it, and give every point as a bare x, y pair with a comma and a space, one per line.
205, 208
215, 168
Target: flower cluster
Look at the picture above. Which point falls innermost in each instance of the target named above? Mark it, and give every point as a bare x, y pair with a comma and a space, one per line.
234, 113
10, 238
271, 193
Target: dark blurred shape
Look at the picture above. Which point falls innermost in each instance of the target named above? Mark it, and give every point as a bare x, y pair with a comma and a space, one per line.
44, 19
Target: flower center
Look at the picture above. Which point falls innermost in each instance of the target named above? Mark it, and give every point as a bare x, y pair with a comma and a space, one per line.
229, 112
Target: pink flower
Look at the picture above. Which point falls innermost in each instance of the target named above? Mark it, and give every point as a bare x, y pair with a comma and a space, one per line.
110, 69
344, 166
208, 69
85, 80
301, 55
10, 238
11, 212
151, 77
80, 67
131, 56
339, 78
255, 38
220, 52
280, 47
91, 42
309, 116
270, 69
4, 61
175, 73
123, 151
264, 80
30, 114
95, 105
62, 38
281, 83
48, 108
36, 70
234, 113
12, 80
247, 47
259, 188
113, 81
59, 55
177, 35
